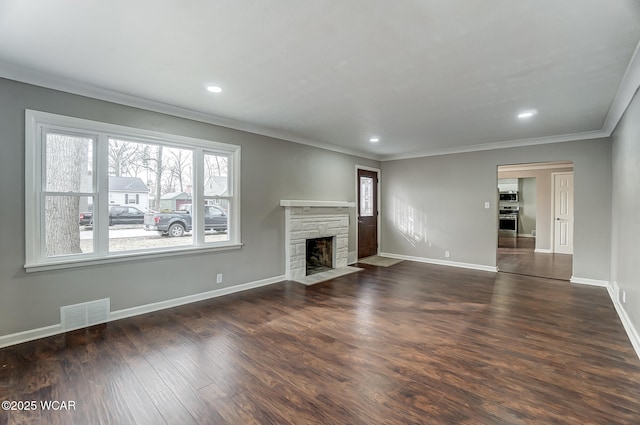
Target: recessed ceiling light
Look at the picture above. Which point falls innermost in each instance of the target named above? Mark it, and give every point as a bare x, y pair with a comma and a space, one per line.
527, 114
214, 89
374, 139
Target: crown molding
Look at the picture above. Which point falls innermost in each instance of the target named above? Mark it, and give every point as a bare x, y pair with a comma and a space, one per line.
500, 145
30, 76
626, 91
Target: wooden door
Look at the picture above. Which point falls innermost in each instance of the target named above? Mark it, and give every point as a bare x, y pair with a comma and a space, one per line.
367, 213
563, 213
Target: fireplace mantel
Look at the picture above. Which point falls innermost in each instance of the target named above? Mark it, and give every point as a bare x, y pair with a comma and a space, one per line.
317, 204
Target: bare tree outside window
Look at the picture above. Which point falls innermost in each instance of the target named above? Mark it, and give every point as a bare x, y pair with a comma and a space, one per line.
216, 179
124, 158
162, 169
216, 165
179, 164
68, 171
153, 166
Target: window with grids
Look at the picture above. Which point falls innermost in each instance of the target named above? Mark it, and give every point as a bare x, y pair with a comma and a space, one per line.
96, 191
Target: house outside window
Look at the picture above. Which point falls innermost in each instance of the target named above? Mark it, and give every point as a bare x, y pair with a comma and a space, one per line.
79, 171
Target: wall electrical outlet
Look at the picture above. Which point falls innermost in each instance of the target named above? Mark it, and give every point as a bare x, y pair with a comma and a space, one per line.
219, 278
487, 205
447, 254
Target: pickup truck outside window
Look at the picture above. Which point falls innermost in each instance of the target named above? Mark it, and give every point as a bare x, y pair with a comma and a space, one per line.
177, 223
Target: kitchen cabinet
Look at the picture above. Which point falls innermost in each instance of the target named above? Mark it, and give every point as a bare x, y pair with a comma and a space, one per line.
507, 185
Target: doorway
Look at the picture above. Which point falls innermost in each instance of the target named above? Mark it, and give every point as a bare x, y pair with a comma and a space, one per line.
536, 200
367, 212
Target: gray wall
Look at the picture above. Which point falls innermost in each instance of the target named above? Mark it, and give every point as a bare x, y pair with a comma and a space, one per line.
625, 234
446, 196
544, 201
271, 170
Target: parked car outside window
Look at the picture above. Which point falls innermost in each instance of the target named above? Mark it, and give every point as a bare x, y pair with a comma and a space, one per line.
118, 214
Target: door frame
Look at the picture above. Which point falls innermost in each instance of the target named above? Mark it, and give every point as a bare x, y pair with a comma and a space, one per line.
357, 184
553, 209
544, 165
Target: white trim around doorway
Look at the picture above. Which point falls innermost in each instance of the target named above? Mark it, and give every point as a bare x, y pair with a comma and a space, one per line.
375, 170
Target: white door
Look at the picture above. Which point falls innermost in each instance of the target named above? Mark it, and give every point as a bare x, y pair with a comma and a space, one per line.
563, 213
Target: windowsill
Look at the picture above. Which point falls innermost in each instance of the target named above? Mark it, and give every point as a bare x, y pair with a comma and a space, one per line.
122, 257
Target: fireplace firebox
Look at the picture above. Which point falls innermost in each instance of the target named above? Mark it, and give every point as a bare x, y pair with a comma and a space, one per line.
319, 255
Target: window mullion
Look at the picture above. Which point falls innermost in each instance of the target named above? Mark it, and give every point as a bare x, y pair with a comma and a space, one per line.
234, 190
197, 208
101, 202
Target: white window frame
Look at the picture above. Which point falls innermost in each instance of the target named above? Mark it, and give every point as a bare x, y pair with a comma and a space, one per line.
36, 122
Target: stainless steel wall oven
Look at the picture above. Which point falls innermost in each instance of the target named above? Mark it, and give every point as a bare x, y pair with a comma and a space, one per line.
508, 221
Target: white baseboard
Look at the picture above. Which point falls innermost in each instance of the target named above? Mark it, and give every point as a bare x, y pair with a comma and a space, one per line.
148, 308
592, 282
543, 251
632, 333
441, 262
612, 290
616, 290
30, 335
33, 334
526, 235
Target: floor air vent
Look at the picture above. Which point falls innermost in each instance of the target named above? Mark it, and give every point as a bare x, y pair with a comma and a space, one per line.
84, 314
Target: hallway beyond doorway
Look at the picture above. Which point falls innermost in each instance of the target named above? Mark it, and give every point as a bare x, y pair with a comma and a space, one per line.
516, 255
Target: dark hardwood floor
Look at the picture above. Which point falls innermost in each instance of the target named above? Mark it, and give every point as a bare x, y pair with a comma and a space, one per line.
407, 344
516, 255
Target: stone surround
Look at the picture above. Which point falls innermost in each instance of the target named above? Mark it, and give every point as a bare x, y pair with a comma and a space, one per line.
317, 219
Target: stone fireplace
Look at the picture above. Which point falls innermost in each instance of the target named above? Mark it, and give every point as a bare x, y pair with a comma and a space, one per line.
312, 220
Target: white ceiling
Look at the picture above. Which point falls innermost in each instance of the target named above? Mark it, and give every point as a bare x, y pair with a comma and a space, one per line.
426, 76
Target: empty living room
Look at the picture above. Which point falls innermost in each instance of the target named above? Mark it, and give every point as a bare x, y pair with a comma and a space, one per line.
285, 212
